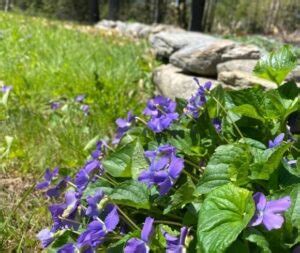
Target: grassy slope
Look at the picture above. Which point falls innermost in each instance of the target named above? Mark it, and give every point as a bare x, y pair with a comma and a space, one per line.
44, 61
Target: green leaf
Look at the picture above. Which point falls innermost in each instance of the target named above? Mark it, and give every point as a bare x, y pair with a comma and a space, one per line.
91, 143
277, 65
100, 184
293, 169
126, 161
63, 237
256, 237
118, 246
182, 196
248, 111
267, 161
225, 212
131, 193
229, 163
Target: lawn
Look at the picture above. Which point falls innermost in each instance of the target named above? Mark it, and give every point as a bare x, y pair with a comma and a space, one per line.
45, 62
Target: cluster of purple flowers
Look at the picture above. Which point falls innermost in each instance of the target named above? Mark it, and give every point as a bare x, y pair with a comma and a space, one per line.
67, 215
141, 245
196, 102
165, 167
164, 170
64, 217
162, 112
123, 126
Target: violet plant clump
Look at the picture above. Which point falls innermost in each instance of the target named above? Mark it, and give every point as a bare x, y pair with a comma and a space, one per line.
207, 174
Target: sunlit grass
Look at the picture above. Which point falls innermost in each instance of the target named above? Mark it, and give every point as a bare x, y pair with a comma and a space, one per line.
48, 61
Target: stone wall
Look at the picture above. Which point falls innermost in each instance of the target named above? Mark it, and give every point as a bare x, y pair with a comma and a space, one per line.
191, 54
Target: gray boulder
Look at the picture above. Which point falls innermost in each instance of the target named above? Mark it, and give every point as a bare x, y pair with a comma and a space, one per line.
242, 65
171, 82
166, 43
201, 58
240, 79
241, 51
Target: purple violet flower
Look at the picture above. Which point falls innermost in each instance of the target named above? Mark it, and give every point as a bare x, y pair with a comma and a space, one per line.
85, 109
196, 102
269, 213
277, 141
92, 167
96, 231
93, 201
123, 126
55, 105
64, 214
79, 98
5, 88
175, 244
58, 189
217, 124
67, 248
136, 245
48, 178
46, 237
165, 167
162, 113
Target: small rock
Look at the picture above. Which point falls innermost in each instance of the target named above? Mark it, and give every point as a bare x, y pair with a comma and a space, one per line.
166, 43
242, 79
242, 65
294, 75
171, 82
201, 58
242, 52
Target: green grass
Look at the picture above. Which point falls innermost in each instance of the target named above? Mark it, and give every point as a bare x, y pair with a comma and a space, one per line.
45, 62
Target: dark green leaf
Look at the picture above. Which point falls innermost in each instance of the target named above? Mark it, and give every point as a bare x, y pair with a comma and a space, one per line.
225, 212
254, 236
229, 163
126, 161
100, 184
131, 193
248, 111
182, 196
267, 161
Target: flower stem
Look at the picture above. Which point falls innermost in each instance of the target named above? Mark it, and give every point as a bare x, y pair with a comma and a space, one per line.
232, 121
141, 120
130, 222
106, 179
168, 222
71, 184
190, 175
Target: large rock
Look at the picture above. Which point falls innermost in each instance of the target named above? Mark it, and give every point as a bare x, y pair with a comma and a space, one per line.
171, 82
242, 65
241, 51
242, 79
166, 43
203, 58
